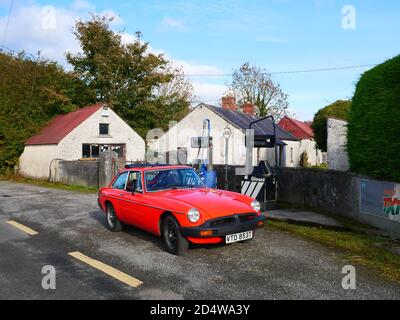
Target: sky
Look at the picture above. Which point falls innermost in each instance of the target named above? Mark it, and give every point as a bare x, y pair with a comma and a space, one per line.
215, 37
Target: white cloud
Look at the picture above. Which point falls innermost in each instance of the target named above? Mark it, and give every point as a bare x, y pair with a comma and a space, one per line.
194, 68
208, 92
117, 20
173, 23
48, 29
36, 28
83, 5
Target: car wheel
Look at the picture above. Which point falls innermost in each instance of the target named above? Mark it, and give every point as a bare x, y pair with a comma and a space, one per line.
174, 242
113, 222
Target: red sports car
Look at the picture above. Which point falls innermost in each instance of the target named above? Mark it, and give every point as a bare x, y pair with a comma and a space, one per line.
173, 202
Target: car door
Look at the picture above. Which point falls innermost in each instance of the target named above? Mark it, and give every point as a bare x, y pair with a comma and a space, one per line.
132, 198
116, 193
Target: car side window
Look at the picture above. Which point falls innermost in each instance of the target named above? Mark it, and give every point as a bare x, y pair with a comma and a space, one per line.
120, 181
134, 182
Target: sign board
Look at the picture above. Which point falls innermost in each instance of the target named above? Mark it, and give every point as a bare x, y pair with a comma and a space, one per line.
254, 187
381, 199
262, 141
201, 142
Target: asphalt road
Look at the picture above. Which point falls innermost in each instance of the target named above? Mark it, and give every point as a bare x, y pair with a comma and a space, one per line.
274, 265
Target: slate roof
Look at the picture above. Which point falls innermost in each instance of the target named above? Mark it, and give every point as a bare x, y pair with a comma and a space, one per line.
242, 121
62, 125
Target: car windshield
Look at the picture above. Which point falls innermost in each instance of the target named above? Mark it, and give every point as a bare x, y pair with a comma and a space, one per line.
186, 178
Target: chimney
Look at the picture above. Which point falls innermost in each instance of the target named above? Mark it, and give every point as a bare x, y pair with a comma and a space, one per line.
249, 108
229, 103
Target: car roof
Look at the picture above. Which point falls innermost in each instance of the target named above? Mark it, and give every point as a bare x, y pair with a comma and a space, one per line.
142, 167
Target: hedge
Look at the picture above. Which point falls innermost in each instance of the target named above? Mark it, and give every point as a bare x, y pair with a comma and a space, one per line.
374, 123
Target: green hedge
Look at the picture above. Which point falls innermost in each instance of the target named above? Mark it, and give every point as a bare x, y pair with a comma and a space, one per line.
374, 123
337, 110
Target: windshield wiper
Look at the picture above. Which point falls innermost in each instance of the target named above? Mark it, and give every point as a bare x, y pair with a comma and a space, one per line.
186, 186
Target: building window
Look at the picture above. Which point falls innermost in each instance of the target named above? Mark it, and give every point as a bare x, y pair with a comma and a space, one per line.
94, 150
104, 129
119, 149
86, 151
291, 155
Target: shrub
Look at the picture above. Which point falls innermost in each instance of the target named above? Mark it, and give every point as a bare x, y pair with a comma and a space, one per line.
337, 110
373, 130
304, 160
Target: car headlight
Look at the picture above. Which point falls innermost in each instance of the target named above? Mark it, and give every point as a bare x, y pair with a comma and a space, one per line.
256, 205
193, 215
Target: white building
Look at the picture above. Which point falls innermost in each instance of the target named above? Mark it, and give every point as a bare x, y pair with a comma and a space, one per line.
82, 134
305, 144
179, 136
338, 158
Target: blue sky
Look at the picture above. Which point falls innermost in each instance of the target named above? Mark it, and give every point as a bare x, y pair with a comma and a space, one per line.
214, 37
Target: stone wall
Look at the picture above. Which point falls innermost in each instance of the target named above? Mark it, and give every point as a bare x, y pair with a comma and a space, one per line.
234, 181
82, 173
331, 191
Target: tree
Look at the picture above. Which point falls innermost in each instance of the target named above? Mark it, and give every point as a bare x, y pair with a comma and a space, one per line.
255, 85
373, 129
338, 110
128, 77
174, 97
32, 92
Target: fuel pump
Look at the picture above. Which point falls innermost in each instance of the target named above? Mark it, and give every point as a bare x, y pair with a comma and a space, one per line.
204, 163
260, 182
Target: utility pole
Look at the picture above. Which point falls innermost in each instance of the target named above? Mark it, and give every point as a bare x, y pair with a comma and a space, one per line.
227, 135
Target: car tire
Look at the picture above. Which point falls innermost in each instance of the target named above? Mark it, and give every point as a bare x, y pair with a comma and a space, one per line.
112, 220
174, 242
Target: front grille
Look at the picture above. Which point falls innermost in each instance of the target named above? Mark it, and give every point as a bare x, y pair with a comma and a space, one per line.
247, 217
222, 222
232, 219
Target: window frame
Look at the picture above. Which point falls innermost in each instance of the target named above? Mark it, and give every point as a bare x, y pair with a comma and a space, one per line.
109, 146
126, 180
140, 179
108, 129
89, 146
166, 169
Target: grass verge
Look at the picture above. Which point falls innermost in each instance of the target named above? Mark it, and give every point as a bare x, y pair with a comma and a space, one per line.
47, 184
367, 250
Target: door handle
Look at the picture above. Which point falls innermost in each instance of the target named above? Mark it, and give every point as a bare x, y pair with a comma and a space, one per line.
121, 194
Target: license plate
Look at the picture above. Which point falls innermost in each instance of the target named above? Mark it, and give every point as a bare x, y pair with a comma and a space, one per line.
230, 238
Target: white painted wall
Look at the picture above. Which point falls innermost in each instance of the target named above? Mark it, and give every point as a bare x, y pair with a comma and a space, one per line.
337, 145
294, 150
70, 148
35, 160
192, 126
